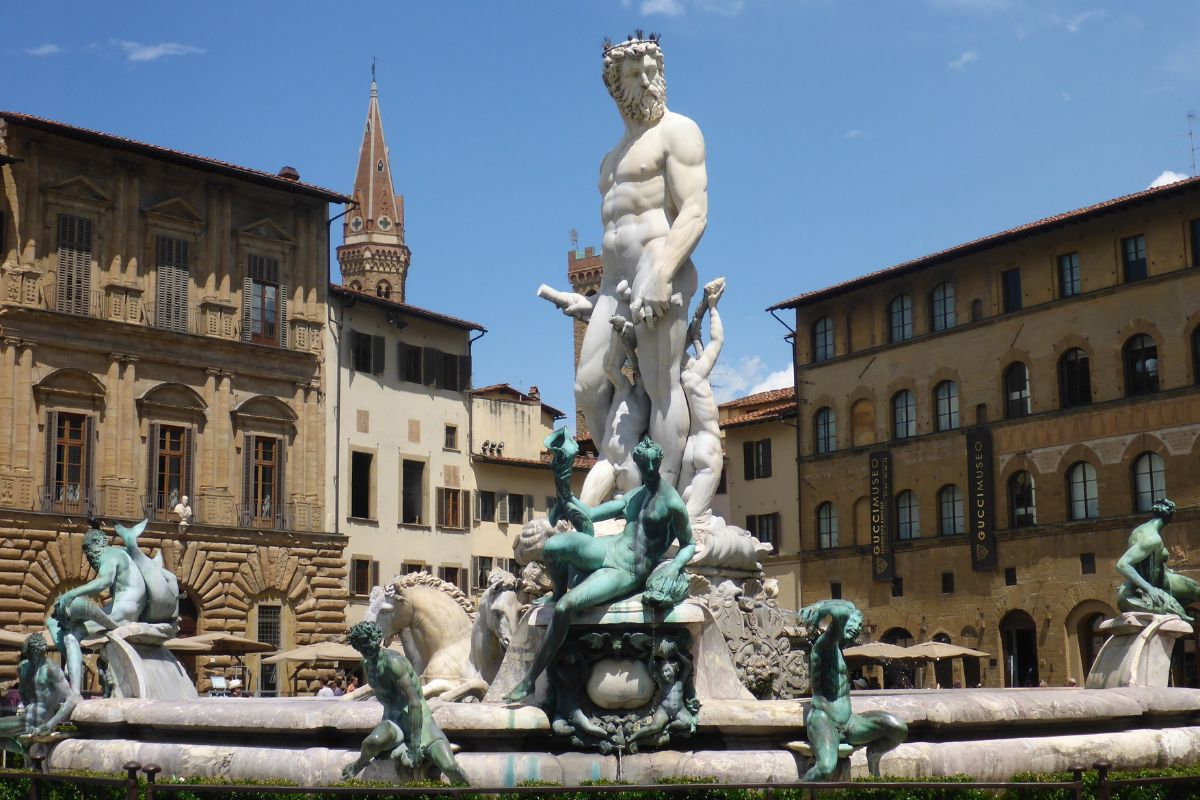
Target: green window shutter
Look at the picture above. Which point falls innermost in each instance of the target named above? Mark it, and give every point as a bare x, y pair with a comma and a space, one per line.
283, 315
247, 299
748, 460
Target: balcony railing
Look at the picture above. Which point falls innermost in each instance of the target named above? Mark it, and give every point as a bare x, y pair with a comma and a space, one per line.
160, 507
266, 516
84, 304
67, 498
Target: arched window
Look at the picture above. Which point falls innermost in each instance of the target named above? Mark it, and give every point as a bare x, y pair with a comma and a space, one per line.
1022, 502
356, 286
1016, 391
950, 511
946, 400
1082, 491
942, 302
1074, 379
822, 339
900, 322
1149, 481
904, 415
827, 526
908, 516
383, 289
1141, 365
825, 430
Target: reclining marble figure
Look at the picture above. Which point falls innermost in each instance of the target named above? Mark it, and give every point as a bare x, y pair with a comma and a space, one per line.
407, 731
45, 693
613, 567
1149, 584
140, 590
829, 720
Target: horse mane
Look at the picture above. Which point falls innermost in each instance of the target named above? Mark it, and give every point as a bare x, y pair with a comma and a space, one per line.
501, 580
375, 602
423, 579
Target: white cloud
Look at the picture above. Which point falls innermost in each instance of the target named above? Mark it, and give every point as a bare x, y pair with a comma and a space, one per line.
670, 8
43, 50
750, 375
855, 133
1076, 22
963, 61
727, 8
136, 51
1167, 177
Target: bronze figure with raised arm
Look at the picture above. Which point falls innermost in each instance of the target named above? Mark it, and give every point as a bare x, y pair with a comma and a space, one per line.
1149, 584
829, 720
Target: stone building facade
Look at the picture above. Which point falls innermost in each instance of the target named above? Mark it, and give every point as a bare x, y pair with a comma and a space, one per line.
162, 318
979, 429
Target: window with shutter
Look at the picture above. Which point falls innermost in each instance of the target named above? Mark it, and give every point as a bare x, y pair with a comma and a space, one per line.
49, 461
69, 462
464, 373
74, 288
528, 508
748, 460
150, 503
429, 366
378, 358
171, 292
441, 506
265, 316
502, 507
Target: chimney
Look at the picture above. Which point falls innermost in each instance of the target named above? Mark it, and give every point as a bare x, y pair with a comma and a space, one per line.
289, 173
534, 393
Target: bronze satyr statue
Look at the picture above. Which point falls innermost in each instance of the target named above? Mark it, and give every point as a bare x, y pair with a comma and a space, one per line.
829, 720
1149, 584
407, 732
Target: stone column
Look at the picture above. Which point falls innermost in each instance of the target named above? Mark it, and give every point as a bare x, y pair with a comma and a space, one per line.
8, 389
209, 442
23, 407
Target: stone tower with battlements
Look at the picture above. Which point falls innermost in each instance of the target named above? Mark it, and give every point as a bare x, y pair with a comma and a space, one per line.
373, 257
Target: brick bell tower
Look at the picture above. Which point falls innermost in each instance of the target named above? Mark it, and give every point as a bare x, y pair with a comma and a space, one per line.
373, 256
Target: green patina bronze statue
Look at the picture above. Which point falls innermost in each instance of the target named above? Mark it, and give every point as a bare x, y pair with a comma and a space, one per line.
829, 720
407, 732
47, 697
1149, 584
612, 567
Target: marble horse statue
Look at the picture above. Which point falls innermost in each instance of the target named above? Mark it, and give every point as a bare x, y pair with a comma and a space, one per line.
456, 651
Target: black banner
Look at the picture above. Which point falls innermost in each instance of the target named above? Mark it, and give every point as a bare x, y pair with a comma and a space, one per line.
981, 508
883, 566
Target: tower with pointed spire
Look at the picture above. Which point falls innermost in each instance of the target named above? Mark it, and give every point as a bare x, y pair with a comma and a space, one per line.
373, 256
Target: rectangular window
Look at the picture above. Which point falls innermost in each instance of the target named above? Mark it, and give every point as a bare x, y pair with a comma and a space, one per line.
520, 508
1010, 281
452, 508
947, 583
170, 461
270, 631
74, 288
757, 459
481, 567
410, 363
451, 439
412, 493
409, 567
367, 353
364, 574
361, 479
723, 484
68, 464
454, 575
263, 482
1194, 227
765, 528
1069, 283
897, 587
264, 303
835, 590
171, 285
1133, 256
1087, 563
1010, 576
485, 506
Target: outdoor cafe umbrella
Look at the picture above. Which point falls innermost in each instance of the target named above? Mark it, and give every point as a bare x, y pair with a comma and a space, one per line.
939, 650
320, 651
879, 651
228, 644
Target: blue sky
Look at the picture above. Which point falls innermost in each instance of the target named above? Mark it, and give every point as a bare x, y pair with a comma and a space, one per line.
842, 137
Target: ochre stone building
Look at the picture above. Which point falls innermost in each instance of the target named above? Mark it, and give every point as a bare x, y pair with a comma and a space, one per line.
979, 429
162, 318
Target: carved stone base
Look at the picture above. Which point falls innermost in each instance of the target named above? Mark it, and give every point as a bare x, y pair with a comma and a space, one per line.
141, 667
1138, 650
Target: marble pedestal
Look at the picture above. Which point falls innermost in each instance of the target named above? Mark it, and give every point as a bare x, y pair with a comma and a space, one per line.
1138, 650
142, 667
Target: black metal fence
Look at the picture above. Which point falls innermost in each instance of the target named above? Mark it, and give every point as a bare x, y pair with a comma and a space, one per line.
145, 786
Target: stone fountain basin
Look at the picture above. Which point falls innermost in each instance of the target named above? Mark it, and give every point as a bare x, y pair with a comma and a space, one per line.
989, 733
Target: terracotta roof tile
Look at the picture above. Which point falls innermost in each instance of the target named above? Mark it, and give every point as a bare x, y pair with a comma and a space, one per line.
768, 396
987, 242
417, 311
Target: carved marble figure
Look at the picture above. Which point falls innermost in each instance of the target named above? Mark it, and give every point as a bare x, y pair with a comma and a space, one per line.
703, 453
1149, 584
678, 707
654, 208
407, 731
616, 566
183, 511
47, 696
140, 590
829, 720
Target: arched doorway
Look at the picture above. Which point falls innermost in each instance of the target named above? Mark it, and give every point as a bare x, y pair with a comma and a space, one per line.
943, 669
898, 674
1090, 640
1018, 637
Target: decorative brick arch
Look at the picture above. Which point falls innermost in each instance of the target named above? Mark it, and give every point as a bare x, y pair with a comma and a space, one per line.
58, 566
1135, 327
